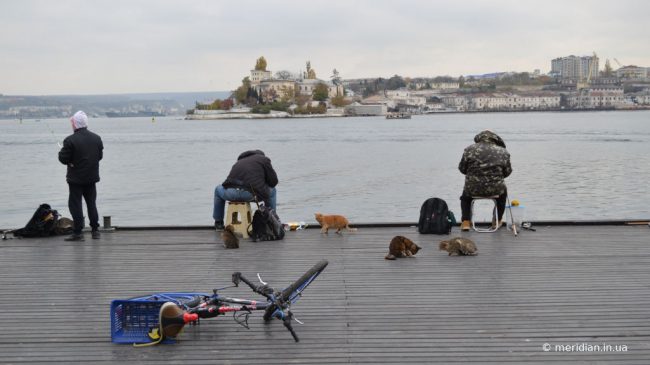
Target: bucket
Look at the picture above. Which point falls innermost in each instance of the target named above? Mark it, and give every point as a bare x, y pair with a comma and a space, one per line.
518, 215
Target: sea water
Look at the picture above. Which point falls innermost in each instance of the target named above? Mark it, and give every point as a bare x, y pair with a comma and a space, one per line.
566, 165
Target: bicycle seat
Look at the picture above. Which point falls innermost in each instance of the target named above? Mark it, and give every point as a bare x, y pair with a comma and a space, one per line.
171, 319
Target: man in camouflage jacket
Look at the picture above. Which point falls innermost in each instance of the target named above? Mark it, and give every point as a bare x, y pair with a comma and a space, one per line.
485, 165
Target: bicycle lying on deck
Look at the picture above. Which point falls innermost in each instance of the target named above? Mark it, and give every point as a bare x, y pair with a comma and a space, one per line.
160, 317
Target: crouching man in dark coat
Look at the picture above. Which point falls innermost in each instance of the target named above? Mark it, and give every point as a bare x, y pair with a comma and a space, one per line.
485, 165
252, 175
81, 152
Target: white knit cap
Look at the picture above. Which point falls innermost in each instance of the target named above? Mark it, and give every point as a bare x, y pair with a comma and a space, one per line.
79, 120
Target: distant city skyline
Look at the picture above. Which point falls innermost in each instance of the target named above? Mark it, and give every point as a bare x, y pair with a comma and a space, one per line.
103, 47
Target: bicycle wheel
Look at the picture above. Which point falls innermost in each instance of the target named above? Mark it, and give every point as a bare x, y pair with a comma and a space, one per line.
293, 291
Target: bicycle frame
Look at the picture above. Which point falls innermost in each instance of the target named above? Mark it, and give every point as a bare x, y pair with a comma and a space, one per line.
225, 305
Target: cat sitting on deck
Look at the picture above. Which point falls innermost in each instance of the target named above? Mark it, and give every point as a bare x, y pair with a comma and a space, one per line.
401, 246
333, 221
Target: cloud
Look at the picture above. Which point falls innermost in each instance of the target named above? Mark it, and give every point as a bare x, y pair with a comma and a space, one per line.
147, 46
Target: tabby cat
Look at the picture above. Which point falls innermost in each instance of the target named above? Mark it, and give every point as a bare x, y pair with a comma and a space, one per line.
230, 239
401, 246
459, 246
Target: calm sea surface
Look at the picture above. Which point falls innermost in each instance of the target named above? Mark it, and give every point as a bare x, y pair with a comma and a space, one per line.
567, 166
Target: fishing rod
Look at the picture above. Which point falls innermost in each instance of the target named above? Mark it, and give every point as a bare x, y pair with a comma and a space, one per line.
512, 218
51, 131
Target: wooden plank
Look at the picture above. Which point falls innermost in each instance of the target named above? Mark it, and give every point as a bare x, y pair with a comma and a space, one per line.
561, 285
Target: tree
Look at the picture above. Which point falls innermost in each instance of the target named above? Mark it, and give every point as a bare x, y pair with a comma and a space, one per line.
395, 83
283, 75
321, 92
226, 104
216, 105
252, 97
287, 93
260, 65
339, 101
301, 99
241, 93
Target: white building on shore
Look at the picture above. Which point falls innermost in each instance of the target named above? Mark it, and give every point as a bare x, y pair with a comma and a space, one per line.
272, 88
258, 76
499, 101
632, 73
405, 98
597, 98
456, 102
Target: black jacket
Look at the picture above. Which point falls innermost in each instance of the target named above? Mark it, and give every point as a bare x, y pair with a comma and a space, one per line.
253, 169
82, 151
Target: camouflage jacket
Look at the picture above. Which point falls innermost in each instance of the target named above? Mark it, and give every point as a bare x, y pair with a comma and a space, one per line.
485, 165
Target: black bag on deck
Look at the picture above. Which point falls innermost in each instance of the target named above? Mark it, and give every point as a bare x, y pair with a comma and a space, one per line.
42, 224
266, 225
434, 215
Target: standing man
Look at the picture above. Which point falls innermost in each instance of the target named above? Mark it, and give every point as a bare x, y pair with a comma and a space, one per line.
485, 165
251, 174
81, 152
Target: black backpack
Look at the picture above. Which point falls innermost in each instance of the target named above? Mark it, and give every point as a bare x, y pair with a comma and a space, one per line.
434, 217
42, 224
266, 225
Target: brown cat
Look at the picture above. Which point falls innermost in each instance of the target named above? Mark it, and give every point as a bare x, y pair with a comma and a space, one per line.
401, 246
333, 221
459, 246
230, 239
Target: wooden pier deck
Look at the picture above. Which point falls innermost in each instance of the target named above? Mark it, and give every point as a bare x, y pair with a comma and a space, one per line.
577, 287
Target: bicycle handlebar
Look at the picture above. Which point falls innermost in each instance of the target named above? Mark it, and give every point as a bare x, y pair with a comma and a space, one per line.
286, 316
280, 302
263, 290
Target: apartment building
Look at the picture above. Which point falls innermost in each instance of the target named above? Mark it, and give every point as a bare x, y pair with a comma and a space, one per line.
574, 66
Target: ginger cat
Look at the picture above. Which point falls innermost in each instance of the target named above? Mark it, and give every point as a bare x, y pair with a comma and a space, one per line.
401, 246
459, 246
333, 221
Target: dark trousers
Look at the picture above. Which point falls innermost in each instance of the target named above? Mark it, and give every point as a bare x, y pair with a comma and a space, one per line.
466, 205
89, 194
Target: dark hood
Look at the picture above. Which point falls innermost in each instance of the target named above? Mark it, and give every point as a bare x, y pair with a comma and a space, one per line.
489, 137
250, 153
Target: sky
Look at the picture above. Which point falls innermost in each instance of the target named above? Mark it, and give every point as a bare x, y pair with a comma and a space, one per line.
132, 46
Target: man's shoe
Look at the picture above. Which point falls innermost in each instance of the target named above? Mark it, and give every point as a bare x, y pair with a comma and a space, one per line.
75, 237
465, 226
95, 235
218, 225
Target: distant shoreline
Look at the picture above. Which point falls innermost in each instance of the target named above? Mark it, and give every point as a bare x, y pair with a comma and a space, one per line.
250, 116
244, 116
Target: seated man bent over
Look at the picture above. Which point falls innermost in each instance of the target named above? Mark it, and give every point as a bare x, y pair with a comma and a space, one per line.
251, 174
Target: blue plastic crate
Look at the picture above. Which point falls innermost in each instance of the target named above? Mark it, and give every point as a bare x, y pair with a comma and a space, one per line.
131, 319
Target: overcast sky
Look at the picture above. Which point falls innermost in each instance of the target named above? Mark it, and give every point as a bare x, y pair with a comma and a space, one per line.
114, 46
